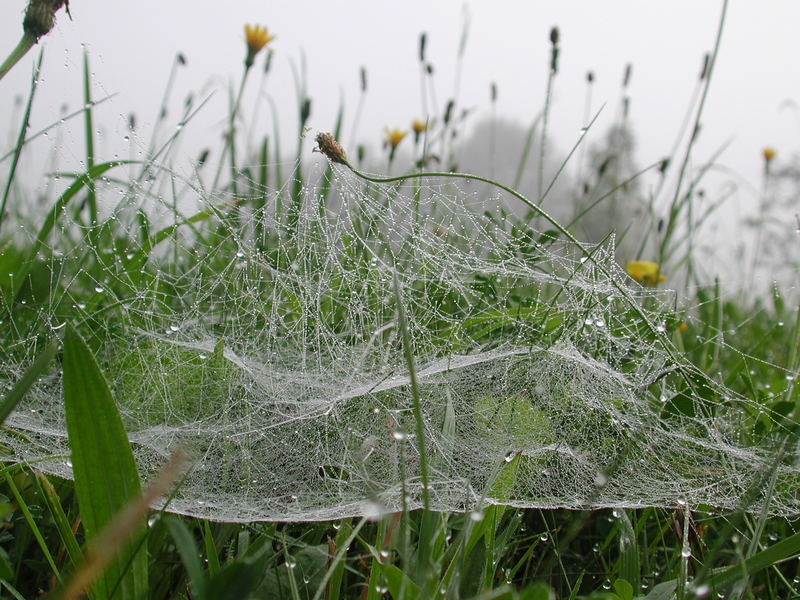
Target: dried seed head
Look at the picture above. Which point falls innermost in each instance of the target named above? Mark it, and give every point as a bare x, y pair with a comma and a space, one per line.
41, 16
626, 79
448, 111
706, 62
305, 111
328, 145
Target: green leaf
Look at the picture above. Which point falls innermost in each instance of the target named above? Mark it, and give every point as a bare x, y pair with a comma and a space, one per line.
623, 589
103, 466
187, 548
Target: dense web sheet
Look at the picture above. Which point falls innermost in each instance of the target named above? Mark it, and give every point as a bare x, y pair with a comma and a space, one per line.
547, 379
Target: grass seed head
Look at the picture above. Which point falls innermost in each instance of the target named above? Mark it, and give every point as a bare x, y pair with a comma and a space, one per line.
327, 145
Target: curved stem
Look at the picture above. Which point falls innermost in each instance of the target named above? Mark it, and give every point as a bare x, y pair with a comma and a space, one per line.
25, 44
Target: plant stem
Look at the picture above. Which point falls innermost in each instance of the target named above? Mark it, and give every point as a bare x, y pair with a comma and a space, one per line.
25, 44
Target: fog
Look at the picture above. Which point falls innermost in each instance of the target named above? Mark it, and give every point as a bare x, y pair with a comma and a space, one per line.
132, 49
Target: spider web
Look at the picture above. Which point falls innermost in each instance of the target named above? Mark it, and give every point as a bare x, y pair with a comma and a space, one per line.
270, 347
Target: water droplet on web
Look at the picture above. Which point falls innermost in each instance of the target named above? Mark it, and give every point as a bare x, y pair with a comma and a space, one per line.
68, 462
600, 480
584, 259
476, 516
544, 537
99, 289
384, 554
400, 435
126, 138
510, 456
202, 356
336, 526
152, 520
174, 328
661, 328
290, 563
686, 552
606, 585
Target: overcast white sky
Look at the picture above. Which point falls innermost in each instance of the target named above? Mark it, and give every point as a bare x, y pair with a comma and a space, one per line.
132, 45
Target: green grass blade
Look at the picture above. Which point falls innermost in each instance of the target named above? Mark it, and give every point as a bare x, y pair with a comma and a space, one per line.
37, 533
211, 550
91, 196
59, 518
187, 548
23, 384
103, 466
21, 138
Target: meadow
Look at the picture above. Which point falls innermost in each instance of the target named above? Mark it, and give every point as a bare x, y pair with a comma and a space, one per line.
379, 377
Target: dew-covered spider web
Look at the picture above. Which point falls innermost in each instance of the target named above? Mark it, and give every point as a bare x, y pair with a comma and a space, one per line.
270, 347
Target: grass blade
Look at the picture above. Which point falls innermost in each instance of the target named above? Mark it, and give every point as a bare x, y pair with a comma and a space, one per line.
103, 466
187, 548
21, 138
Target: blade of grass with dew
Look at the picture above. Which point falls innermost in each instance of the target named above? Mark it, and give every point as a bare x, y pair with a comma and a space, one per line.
91, 195
278, 184
103, 466
629, 558
190, 556
261, 194
20, 138
32, 524
65, 532
337, 563
29, 377
211, 550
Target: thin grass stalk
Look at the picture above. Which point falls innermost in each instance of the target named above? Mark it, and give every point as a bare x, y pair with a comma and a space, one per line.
91, 194
672, 221
21, 137
416, 403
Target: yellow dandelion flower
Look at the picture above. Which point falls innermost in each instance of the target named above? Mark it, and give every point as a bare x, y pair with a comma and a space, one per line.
394, 137
645, 272
768, 153
419, 126
256, 37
